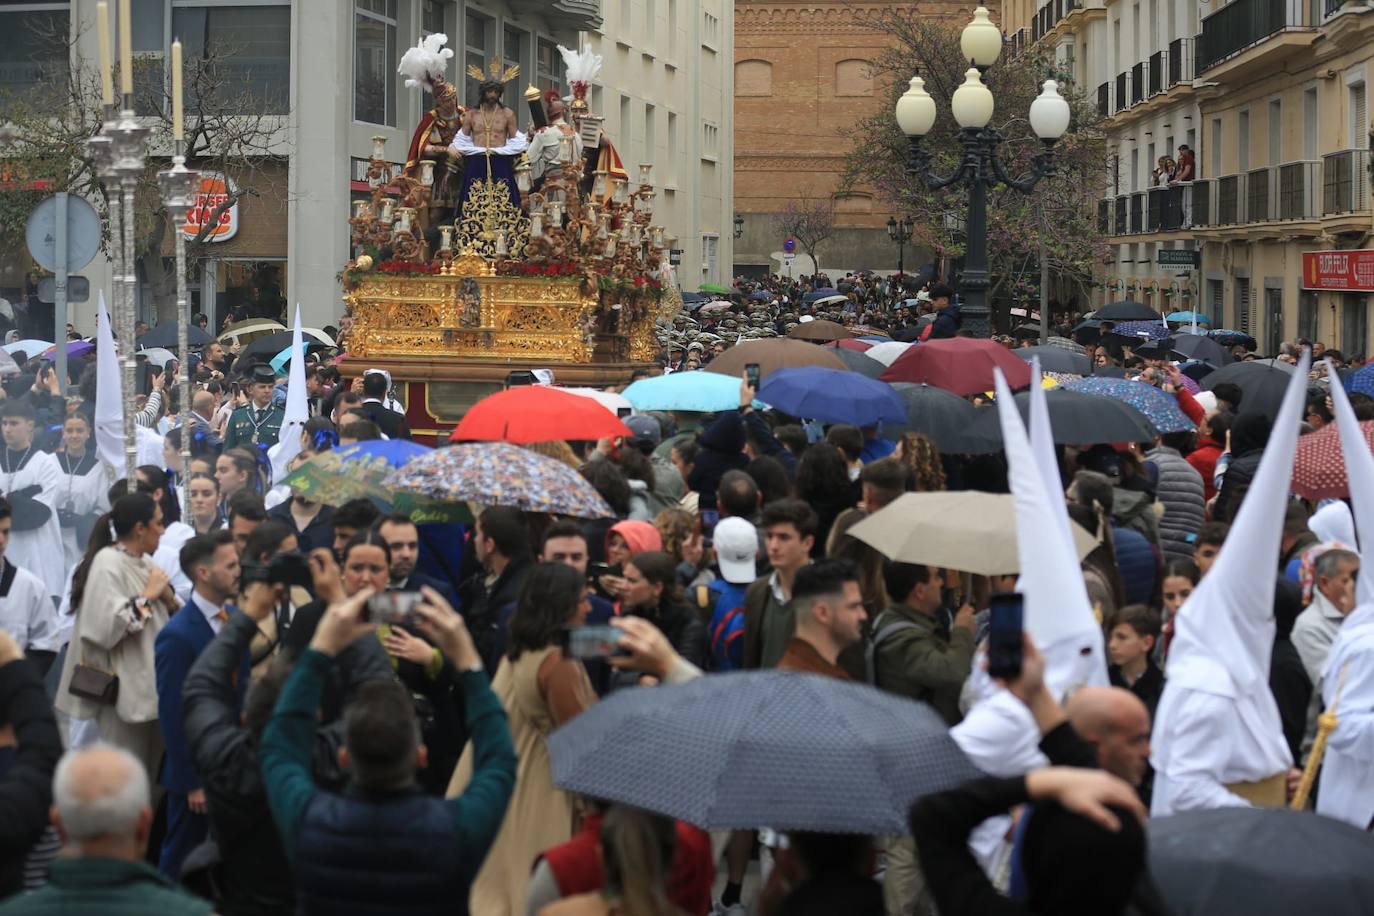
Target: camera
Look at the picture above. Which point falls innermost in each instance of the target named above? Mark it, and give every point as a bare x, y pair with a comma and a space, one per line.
288, 568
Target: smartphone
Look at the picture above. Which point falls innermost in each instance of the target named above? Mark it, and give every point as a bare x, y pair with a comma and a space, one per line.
623, 412
592, 641
1006, 612
597, 570
392, 607
751, 372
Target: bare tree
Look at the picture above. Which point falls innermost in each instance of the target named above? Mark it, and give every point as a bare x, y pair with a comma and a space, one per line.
228, 130
810, 221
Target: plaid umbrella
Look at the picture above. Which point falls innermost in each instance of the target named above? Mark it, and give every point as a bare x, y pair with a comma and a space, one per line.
356, 472
499, 474
1158, 406
1319, 468
778, 749
1065, 343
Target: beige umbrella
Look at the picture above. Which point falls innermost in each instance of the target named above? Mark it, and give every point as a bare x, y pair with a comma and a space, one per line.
770, 354
245, 332
820, 331
966, 530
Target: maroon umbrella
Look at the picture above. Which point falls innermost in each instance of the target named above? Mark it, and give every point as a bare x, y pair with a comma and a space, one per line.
1319, 468
962, 365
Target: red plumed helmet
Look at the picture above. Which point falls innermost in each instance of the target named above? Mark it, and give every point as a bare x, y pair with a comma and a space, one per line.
550, 96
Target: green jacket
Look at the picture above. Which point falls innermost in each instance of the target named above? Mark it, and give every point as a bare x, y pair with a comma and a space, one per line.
919, 663
105, 887
241, 428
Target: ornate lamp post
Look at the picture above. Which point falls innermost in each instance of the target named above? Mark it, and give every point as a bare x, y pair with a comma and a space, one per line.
739, 226
980, 169
178, 186
900, 232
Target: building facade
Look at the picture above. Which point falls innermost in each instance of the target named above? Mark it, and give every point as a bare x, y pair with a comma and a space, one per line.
802, 81
325, 72
1270, 96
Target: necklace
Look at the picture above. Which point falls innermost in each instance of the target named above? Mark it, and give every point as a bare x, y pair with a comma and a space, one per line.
257, 424
11, 471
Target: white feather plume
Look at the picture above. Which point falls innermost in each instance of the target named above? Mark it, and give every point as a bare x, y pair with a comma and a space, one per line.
425, 63
581, 66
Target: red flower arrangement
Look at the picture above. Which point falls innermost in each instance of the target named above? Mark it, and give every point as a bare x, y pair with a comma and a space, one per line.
407, 267
524, 269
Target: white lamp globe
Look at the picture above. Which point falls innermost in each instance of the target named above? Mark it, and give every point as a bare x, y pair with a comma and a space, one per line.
972, 102
981, 40
1049, 113
916, 110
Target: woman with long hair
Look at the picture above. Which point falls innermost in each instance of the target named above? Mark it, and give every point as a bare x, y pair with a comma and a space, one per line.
81, 495
121, 600
541, 687
823, 481
637, 850
683, 541
652, 591
1180, 578
925, 472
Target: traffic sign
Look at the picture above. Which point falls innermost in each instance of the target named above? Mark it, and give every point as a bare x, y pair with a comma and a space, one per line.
790, 245
82, 233
78, 289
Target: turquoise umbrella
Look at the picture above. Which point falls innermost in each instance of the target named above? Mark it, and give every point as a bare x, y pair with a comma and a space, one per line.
698, 391
1188, 318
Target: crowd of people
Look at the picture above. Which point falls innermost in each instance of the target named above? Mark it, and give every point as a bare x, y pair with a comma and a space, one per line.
206, 703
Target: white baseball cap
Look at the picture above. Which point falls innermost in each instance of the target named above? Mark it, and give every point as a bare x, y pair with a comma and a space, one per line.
737, 544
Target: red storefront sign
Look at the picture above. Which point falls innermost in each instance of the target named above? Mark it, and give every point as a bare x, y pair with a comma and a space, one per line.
1347, 271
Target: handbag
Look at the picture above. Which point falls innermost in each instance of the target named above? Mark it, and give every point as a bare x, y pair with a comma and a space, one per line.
94, 684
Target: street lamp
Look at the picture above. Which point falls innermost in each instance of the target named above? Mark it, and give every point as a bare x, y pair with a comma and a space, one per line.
739, 226
900, 232
980, 169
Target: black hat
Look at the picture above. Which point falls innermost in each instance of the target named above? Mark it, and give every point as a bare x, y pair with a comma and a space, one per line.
940, 291
262, 373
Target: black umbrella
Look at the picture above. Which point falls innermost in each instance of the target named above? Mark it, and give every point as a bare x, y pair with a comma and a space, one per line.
1126, 310
943, 416
1109, 372
1057, 359
1262, 383
264, 348
1026, 329
165, 335
1261, 862
1196, 346
1197, 369
857, 362
1079, 419
1162, 348
1087, 331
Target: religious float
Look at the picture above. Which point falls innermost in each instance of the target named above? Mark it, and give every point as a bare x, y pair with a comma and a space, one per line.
546, 259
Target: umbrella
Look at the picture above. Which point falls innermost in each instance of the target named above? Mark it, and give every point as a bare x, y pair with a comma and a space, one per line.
858, 362
1196, 370
610, 400
821, 294
1109, 372
158, 356
1198, 346
960, 364
828, 300
945, 418
760, 296
1090, 330
1159, 348
778, 749
356, 472
1262, 384
29, 347
1057, 359
1065, 343
820, 331
536, 413
165, 335
1158, 406
1126, 310
1361, 381
264, 348
75, 349
697, 391
1188, 318
888, 351
717, 289
1229, 338
8, 367
1319, 468
832, 396
1079, 419
967, 530
772, 354
1134, 330
499, 474
1026, 329
856, 344
719, 305
253, 328
1261, 862
867, 332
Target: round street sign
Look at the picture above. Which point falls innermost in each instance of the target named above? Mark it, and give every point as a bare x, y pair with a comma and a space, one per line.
83, 233
790, 245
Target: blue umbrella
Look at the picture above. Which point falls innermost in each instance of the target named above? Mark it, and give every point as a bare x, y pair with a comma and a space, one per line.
1189, 318
1158, 406
698, 391
760, 295
1229, 338
832, 396
1361, 381
821, 294
1152, 330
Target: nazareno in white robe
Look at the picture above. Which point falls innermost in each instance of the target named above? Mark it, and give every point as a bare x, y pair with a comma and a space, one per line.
38, 550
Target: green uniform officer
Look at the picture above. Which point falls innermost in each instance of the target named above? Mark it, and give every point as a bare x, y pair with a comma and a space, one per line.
258, 425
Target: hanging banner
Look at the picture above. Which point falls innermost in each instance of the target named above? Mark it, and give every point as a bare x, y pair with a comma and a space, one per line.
1347, 271
214, 189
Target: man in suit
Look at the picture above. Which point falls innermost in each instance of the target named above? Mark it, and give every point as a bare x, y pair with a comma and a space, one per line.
391, 423
403, 538
211, 562
257, 425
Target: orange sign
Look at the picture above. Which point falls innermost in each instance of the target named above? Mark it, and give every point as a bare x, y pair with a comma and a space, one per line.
213, 191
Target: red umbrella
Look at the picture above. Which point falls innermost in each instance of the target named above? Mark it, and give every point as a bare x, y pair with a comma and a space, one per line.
1319, 468
962, 365
850, 343
535, 413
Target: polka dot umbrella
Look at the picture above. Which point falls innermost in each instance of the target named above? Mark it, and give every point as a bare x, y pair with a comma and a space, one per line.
1319, 468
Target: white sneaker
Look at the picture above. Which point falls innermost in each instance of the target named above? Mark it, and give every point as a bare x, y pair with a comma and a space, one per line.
734, 909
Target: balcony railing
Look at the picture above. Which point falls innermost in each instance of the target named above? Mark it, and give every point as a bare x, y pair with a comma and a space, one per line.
1166, 209
1180, 59
1138, 83
1104, 216
1228, 200
1154, 84
1104, 100
1138, 212
1242, 23
1345, 181
1121, 92
1201, 203
1298, 187
1259, 195
1330, 7
1122, 215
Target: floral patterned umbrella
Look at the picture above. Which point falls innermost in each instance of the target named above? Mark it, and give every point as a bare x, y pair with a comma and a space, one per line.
357, 471
499, 474
1158, 406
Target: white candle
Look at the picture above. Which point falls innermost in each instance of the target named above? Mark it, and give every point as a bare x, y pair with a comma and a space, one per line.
126, 49
177, 130
102, 29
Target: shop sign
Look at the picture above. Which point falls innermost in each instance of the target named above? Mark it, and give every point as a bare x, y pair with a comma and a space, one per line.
1178, 259
214, 189
1348, 271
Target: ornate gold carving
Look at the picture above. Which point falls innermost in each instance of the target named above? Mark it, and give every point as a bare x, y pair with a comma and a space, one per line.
471, 264
488, 214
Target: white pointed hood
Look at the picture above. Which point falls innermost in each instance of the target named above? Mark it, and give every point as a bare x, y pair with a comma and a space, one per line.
1058, 615
297, 410
1225, 631
109, 411
1359, 471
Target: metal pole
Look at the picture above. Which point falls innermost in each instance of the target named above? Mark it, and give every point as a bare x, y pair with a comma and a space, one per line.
127, 365
59, 299
974, 284
183, 348
1044, 286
